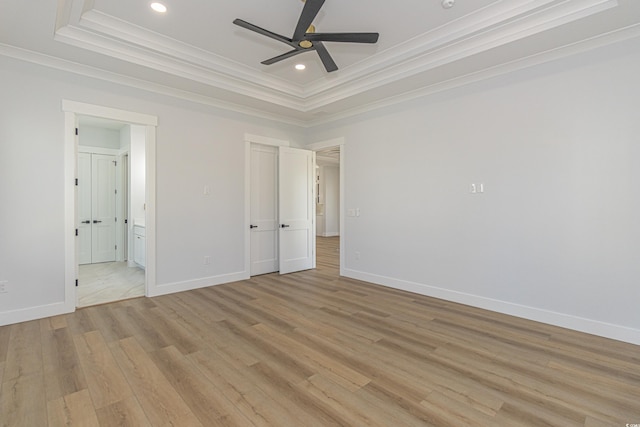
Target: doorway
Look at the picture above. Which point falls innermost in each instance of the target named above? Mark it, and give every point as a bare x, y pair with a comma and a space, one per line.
73, 110
280, 210
104, 197
328, 207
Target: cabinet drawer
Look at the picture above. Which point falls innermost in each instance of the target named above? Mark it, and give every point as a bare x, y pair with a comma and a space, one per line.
138, 230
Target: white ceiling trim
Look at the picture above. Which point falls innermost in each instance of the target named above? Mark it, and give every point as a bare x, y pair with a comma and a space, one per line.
496, 25
83, 38
64, 65
96, 73
98, 22
520, 64
455, 48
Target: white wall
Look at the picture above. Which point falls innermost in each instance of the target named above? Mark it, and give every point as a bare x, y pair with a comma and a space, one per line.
554, 237
556, 234
332, 200
137, 167
99, 137
196, 146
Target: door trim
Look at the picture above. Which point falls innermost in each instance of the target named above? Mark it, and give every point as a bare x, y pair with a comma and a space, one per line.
72, 109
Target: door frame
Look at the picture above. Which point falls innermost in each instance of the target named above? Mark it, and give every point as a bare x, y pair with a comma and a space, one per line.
72, 109
340, 143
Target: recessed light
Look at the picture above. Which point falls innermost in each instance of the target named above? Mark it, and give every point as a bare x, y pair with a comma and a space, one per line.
159, 7
448, 4
300, 66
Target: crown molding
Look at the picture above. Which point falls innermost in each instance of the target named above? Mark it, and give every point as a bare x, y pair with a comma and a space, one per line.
498, 24
96, 73
601, 40
523, 63
127, 34
80, 37
468, 37
328, 117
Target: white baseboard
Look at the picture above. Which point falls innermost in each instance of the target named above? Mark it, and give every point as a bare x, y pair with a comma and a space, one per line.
170, 288
595, 327
331, 234
33, 313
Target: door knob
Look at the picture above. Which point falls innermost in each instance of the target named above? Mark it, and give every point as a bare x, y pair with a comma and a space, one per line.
284, 225
86, 222
96, 221
253, 226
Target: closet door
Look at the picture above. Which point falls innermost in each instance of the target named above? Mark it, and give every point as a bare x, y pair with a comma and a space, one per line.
96, 208
103, 208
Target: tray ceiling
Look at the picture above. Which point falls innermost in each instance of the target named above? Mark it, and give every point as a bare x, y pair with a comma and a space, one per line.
194, 51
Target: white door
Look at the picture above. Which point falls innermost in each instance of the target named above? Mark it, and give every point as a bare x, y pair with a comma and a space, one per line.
96, 208
264, 209
84, 208
103, 208
296, 209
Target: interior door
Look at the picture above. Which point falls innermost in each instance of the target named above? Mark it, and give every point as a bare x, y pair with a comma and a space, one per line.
84, 208
103, 208
264, 209
296, 209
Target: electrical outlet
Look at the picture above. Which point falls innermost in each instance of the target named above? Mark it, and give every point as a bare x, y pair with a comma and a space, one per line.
207, 260
3, 287
357, 256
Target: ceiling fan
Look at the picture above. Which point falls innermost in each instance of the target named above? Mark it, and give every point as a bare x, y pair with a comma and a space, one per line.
306, 39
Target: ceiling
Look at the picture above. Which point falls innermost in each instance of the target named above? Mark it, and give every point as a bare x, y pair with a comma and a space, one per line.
195, 52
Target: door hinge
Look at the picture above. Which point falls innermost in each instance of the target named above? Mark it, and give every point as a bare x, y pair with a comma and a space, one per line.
126, 221
76, 181
115, 163
76, 231
76, 131
116, 219
116, 247
76, 283
116, 190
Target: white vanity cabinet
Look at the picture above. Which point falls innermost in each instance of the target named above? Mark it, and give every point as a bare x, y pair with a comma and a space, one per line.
139, 248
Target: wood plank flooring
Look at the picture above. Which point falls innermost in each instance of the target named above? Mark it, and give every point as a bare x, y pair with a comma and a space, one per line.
309, 349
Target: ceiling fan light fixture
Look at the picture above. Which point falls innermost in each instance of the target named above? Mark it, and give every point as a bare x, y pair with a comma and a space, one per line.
305, 38
158, 7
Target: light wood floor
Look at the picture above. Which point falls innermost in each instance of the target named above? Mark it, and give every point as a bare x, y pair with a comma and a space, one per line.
309, 349
107, 282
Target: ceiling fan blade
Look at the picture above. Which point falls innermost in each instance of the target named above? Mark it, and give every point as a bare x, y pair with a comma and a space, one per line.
326, 59
281, 57
248, 26
309, 12
342, 37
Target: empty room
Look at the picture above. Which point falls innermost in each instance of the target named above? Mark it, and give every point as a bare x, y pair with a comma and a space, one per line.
320, 212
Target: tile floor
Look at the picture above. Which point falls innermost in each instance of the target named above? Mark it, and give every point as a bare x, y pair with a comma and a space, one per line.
107, 282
